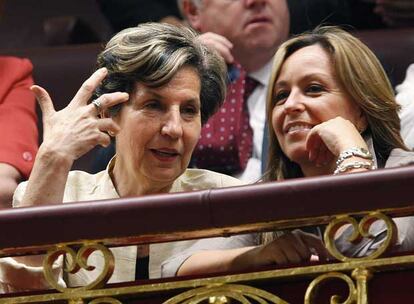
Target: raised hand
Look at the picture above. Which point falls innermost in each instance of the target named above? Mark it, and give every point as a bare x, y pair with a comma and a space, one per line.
219, 43
327, 140
76, 129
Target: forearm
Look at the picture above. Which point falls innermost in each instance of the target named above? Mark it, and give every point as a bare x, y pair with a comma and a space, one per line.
9, 179
26, 273
213, 261
47, 181
290, 248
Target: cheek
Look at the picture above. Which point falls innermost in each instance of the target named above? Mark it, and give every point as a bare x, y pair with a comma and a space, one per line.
337, 105
191, 135
141, 134
277, 122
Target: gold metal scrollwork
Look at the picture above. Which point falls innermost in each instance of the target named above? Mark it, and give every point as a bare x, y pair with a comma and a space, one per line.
105, 301
76, 262
359, 232
239, 293
362, 275
315, 284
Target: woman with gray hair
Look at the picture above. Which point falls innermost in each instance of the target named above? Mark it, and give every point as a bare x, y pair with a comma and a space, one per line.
154, 88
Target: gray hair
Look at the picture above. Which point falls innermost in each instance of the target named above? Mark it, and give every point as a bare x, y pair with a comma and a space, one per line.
152, 53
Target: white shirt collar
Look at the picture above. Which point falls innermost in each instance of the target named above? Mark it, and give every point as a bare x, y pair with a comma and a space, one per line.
262, 75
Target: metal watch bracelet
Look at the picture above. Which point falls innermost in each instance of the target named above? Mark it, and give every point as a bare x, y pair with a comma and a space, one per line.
354, 151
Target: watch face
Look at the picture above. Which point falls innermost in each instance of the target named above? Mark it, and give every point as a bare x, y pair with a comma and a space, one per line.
365, 151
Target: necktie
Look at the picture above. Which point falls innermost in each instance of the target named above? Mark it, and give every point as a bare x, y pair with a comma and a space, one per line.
246, 139
226, 140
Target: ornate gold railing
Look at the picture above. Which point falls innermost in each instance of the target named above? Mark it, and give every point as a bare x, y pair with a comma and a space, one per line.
77, 230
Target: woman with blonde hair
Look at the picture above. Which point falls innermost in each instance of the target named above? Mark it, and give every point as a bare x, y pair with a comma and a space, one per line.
331, 110
355, 77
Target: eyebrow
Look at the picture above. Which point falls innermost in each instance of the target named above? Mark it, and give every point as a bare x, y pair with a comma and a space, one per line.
306, 77
154, 94
151, 92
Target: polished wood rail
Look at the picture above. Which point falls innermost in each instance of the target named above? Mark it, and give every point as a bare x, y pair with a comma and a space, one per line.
283, 205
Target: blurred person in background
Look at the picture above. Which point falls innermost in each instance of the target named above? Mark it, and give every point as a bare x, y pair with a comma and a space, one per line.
246, 34
405, 97
18, 124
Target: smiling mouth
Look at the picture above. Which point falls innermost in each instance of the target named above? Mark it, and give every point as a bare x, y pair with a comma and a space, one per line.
298, 128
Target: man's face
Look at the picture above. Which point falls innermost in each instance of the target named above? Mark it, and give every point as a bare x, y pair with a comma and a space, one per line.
249, 24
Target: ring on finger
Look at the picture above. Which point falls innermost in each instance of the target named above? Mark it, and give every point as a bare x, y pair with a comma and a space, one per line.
97, 105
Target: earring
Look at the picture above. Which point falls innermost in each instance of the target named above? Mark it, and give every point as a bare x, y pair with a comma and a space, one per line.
112, 134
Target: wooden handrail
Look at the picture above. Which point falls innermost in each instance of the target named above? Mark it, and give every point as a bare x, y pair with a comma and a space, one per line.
158, 218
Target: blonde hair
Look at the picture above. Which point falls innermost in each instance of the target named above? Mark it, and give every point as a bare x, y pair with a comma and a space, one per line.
152, 53
363, 78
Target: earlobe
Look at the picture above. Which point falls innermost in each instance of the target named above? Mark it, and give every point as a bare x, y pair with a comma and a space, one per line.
362, 123
192, 13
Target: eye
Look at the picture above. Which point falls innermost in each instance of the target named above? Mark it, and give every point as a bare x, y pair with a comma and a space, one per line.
315, 88
190, 110
281, 97
152, 105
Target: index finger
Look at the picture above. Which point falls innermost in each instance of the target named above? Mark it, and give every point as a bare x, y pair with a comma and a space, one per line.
88, 87
313, 142
214, 37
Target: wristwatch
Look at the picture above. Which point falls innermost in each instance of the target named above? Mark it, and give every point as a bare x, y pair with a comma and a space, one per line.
354, 151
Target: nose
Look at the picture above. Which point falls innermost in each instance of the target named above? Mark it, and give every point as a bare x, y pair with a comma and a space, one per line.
172, 124
294, 102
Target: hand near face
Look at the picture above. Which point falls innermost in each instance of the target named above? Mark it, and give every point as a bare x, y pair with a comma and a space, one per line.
396, 13
291, 248
219, 43
76, 129
327, 140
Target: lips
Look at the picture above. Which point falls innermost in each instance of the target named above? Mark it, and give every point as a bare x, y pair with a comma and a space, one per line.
165, 153
258, 19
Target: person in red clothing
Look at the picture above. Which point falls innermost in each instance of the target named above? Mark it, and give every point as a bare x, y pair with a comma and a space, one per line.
18, 125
